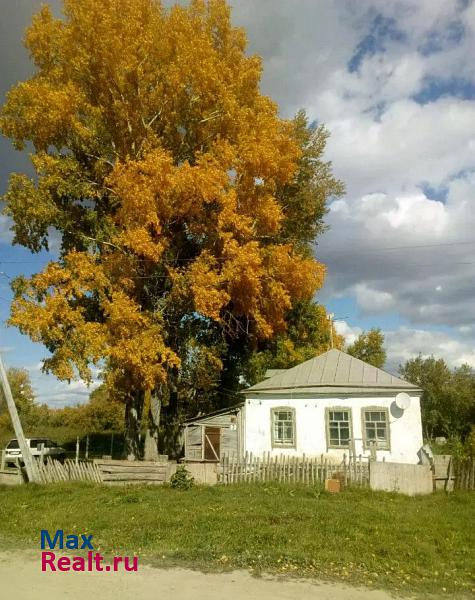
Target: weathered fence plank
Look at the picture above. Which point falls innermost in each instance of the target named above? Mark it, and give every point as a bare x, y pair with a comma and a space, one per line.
464, 472
292, 469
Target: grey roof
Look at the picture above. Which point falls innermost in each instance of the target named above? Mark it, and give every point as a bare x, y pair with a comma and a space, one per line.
333, 372
222, 411
272, 372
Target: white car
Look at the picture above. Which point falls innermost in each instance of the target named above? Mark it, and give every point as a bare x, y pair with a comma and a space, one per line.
13, 452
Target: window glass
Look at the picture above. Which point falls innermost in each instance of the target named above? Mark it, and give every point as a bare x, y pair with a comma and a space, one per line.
283, 427
376, 428
339, 428
36, 443
13, 444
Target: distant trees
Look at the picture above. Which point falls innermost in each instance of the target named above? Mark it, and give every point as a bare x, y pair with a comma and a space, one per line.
369, 346
100, 414
23, 396
448, 399
309, 333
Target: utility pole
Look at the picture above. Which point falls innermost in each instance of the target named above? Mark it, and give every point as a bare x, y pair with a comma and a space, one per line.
330, 318
30, 464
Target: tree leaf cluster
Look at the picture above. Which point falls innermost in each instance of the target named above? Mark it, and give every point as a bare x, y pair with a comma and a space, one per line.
369, 347
448, 399
186, 209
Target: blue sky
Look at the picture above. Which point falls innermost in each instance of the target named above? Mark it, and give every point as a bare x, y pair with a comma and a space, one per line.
394, 83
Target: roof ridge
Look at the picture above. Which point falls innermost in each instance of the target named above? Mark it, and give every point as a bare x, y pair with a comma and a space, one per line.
333, 368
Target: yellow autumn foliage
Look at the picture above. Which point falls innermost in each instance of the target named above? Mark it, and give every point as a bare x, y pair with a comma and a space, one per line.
160, 163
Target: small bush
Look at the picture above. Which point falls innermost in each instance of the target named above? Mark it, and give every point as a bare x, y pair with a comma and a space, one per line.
182, 479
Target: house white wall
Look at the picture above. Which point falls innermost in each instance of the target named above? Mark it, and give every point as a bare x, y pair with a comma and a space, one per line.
405, 426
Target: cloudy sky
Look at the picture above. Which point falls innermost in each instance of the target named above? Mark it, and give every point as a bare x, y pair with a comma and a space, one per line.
394, 82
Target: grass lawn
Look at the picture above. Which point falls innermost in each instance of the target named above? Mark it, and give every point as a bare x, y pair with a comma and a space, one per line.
422, 544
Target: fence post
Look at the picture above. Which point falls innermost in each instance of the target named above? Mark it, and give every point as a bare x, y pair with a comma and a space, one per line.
225, 471
77, 449
449, 474
87, 446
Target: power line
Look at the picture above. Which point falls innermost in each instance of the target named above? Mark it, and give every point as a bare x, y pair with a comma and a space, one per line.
330, 274
342, 250
406, 247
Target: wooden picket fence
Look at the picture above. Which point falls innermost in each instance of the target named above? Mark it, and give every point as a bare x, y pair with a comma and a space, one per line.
54, 471
353, 470
124, 471
453, 473
464, 474
103, 471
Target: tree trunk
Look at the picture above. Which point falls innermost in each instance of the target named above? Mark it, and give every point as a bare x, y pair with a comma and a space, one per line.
153, 423
133, 414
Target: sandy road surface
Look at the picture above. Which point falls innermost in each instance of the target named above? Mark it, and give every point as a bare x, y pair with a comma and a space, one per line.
21, 579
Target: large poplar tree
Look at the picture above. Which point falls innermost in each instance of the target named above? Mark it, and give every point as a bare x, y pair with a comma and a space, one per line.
186, 208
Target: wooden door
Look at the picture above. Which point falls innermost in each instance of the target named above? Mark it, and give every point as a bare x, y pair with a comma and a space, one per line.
212, 443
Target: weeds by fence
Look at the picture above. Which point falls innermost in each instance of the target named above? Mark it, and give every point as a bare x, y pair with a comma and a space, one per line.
293, 469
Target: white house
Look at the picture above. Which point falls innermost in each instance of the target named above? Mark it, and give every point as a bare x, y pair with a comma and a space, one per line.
331, 404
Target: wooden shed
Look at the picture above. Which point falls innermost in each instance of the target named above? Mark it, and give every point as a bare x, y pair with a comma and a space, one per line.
210, 437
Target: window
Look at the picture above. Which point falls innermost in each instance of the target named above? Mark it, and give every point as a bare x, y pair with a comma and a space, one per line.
376, 427
338, 427
283, 427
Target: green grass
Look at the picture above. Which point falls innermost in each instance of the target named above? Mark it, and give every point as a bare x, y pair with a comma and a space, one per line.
422, 544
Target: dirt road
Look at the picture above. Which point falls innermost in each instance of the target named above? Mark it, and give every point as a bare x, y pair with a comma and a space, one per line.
21, 579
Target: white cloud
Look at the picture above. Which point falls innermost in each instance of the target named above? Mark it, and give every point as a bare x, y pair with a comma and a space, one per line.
56, 393
6, 236
297, 42
349, 333
372, 300
59, 393
407, 253
406, 343
403, 148
6, 349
